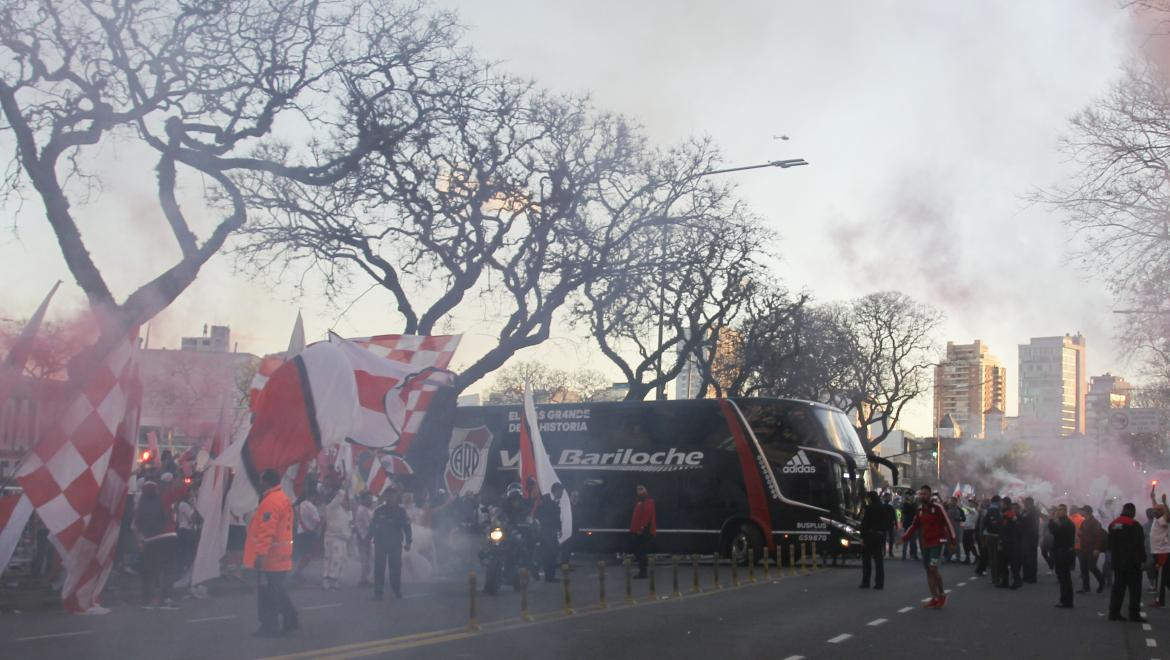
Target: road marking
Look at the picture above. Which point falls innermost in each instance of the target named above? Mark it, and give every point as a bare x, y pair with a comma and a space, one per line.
795, 657
905, 610
1151, 642
68, 634
212, 618
321, 607
877, 622
840, 638
1146, 626
946, 591
962, 584
927, 600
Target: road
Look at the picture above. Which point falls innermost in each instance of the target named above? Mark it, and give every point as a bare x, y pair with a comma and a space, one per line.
819, 615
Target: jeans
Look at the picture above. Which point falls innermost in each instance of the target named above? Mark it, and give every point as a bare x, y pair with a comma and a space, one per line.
274, 603
1127, 579
872, 549
158, 561
1063, 560
640, 544
1089, 566
388, 554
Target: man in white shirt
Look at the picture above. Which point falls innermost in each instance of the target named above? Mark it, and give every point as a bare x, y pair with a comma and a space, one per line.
1160, 545
361, 535
307, 543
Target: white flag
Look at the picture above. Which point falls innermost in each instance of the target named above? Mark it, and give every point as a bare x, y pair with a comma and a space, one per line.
534, 461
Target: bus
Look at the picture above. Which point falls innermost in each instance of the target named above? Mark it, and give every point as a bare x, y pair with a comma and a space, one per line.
726, 475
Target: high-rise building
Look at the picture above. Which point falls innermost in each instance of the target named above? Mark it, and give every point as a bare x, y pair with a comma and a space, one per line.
970, 386
1106, 393
1052, 386
218, 341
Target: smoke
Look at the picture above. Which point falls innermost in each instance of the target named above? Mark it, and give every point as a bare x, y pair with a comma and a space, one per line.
1153, 28
921, 220
1077, 471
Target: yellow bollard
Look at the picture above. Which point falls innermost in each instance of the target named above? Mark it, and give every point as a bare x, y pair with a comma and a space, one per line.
792, 559
568, 594
629, 582
804, 558
695, 583
472, 623
715, 566
767, 571
734, 569
815, 565
524, 595
674, 577
601, 583
751, 565
653, 572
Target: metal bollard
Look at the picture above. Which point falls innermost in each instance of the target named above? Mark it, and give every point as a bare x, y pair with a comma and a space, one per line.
804, 558
767, 571
751, 565
734, 569
472, 623
653, 591
568, 594
815, 565
524, 595
695, 583
601, 583
791, 559
629, 582
715, 566
674, 577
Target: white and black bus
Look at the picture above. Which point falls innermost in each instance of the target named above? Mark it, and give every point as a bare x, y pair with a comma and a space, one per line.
725, 474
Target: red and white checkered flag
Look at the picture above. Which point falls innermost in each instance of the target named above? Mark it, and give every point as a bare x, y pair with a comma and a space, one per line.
78, 473
391, 413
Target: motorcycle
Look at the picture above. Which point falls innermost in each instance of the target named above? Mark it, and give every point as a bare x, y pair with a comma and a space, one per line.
506, 549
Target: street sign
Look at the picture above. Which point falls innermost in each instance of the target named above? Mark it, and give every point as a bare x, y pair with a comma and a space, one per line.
1136, 420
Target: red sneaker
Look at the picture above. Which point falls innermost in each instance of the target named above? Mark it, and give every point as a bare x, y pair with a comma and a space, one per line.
933, 602
941, 602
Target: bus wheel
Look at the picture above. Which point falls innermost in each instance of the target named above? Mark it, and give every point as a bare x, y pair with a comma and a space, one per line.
747, 537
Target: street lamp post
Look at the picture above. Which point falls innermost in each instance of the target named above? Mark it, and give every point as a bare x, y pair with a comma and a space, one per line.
784, 164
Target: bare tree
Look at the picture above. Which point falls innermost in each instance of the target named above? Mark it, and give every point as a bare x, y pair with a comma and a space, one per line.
55, 343
509, 203
695, 275
549, 384
214, 94
892, 341
756, 355
1118, 202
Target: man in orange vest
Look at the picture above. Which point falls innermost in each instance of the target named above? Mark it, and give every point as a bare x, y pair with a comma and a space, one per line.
268, 549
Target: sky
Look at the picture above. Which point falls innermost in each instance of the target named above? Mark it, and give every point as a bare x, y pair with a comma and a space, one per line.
926, 125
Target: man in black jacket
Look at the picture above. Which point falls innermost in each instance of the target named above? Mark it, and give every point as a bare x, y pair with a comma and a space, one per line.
1064, 534
548, 514
1029, 539
891, 520
873, 541
390, 530
909, 510
1127, 543
987, 530
1009, 547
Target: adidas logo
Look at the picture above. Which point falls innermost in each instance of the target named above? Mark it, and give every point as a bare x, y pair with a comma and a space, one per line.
798, 464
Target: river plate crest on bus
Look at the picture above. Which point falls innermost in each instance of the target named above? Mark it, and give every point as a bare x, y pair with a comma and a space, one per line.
467, 460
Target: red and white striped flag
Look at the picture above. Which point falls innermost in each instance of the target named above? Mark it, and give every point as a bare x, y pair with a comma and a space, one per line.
78, 473
396, 376
15, 510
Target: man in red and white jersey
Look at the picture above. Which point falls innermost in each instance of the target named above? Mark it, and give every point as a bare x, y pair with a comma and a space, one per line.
937, 532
